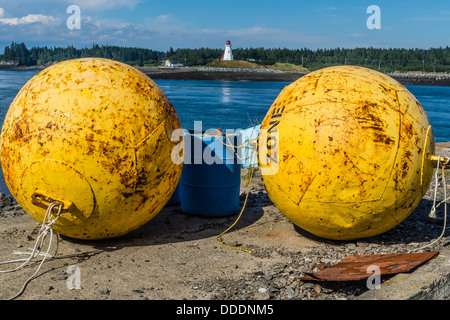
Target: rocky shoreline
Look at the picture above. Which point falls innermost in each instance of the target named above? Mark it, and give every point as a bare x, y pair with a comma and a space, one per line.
12, 67
223, 74
240, 74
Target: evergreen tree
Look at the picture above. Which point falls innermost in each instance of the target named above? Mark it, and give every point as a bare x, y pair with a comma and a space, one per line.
385, 60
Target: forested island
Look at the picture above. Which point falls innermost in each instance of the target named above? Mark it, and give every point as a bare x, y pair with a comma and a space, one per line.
435, 60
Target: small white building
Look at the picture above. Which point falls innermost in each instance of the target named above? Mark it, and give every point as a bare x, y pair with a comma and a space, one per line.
228, 55
173, 63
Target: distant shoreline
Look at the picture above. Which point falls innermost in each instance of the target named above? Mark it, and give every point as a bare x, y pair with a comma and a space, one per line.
262, 75
21, 68
426, 79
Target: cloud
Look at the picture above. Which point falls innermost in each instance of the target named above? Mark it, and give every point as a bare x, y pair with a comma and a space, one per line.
163, 21
159, 32
166, 24
103, 4
162, 18
31, 18
264, 36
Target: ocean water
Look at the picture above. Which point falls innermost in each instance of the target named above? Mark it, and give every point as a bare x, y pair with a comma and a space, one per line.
221, 104
234, 105
436, 103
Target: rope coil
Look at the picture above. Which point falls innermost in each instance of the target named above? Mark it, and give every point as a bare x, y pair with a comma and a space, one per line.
46, 229
432, 214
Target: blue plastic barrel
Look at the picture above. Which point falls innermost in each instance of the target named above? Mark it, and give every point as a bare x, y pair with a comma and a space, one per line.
211, 177
176, 196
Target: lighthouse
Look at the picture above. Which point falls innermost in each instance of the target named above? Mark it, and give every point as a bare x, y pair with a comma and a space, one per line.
228, 55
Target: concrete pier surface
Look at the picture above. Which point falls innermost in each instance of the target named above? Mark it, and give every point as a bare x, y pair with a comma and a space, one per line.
176, 256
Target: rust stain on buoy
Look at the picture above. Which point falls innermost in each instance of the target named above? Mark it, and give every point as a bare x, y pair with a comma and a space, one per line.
95, 135
348, 152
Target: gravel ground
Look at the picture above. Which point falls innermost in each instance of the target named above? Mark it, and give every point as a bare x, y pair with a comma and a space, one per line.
281, 281
414, 234
175, 256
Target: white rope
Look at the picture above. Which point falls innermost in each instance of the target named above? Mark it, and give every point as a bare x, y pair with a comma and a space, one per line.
433, 209
46, 228
436, 183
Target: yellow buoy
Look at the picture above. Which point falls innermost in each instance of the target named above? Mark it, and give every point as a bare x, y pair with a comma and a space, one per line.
346, 152
94, 135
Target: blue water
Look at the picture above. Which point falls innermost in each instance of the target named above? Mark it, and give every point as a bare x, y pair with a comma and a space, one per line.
221, 104
235, 105
436, 102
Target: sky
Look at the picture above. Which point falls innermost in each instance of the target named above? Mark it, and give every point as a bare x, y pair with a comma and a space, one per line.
291, 24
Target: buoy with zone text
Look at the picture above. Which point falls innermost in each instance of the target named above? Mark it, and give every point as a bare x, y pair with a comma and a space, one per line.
346, 152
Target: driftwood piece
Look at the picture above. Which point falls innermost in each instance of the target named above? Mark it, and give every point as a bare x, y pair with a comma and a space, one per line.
357, 267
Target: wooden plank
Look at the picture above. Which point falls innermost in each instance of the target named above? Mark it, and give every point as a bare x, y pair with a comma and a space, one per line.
355, 267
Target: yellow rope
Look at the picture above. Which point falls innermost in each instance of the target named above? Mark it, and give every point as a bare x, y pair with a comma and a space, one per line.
241, 146
219, 237
248, 183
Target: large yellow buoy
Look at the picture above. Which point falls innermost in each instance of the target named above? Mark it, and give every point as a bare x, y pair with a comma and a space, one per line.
346, 152
94, 135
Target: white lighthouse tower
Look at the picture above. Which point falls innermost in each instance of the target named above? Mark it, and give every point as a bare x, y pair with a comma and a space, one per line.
228, 55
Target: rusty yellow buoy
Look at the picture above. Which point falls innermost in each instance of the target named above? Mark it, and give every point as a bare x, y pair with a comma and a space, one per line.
94, 135
346, 152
